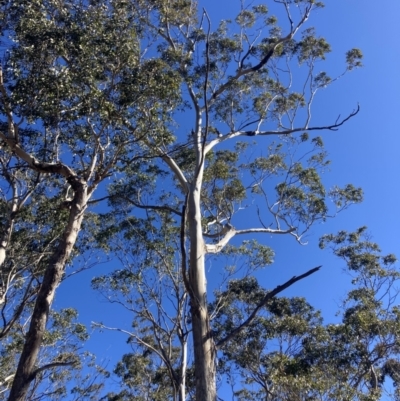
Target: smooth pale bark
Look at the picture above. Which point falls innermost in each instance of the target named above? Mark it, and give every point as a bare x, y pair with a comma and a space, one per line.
4, 241
27, 369
7, 230
203, 343
182, 386
16, 202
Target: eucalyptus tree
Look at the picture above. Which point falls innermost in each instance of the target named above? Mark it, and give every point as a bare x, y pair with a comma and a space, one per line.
20, 237
30, 225
92, 90
289, 353
148, 286
61, 347
66, 125
363, 351
28, 232
234, 83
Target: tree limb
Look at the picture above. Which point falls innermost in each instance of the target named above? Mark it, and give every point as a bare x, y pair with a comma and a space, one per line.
33, 163
177, 172
50, 366
229, 232
152, 207
138, 339
264, 60
268, 297
7, 379
332, 127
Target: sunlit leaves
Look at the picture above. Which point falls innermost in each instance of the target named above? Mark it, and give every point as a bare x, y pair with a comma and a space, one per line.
104, 84
322, 79
61, 53
311, 47
347, 195
272, 164
252, 255
353, 58
289, 353
246, 19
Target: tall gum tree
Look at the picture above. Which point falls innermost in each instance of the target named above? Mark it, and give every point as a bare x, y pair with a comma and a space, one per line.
289, 353
67, 125
148, 285
101, 85
237, 82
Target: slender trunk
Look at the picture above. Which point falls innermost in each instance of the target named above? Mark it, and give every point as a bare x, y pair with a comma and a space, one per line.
182, 385
5, 240
204, 348
52, 277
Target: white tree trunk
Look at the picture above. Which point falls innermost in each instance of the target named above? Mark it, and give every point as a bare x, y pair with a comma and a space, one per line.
204, 348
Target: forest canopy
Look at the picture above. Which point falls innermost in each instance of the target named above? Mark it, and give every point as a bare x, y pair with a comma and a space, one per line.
144, 134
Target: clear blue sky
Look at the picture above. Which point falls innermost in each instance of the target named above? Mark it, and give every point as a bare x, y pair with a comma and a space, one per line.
365, 152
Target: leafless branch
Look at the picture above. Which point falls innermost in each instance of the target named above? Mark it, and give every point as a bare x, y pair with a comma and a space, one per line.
332, 127
229, 232
51, 366
267, 298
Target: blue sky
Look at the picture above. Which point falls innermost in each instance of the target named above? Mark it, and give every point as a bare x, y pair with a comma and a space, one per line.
364, 152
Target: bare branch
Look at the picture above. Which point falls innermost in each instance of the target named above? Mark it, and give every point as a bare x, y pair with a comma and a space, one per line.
332, 127
229, 232
177, 172
51, 366
130, 334
152, 207
267, 298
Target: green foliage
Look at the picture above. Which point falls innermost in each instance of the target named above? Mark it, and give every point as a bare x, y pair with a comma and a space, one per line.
288, 352
353, 58
61, 351
311, 47
255, 255
100, 88
142, 379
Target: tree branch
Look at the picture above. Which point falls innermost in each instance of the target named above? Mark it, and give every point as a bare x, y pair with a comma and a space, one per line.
177, 172
50, 366
264, 60
7, 379
229, 232
132, 335
267, 298
140, 206
332, 127
33, 163
153, 207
